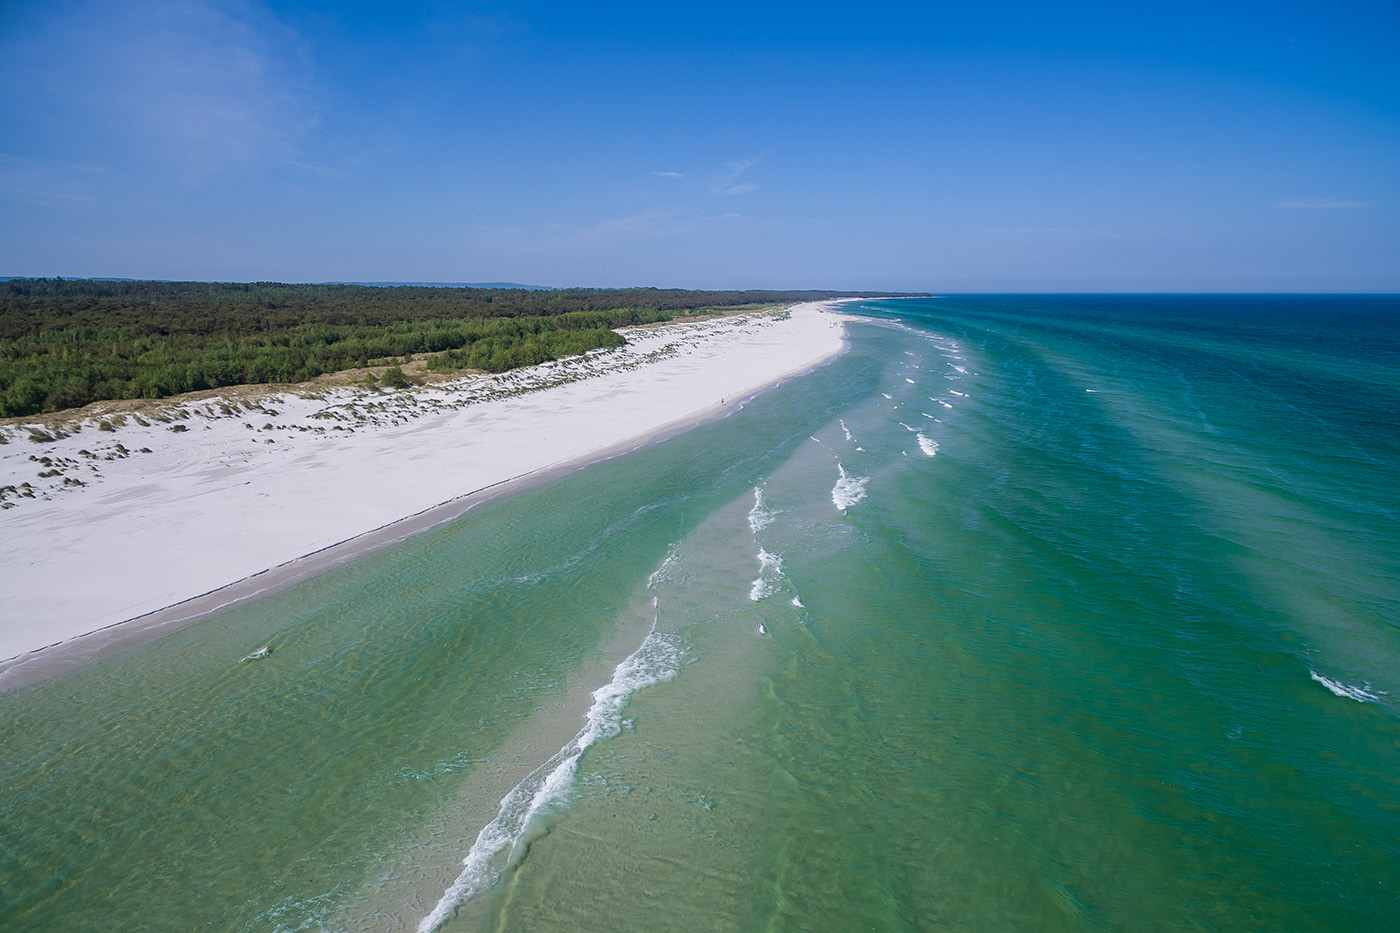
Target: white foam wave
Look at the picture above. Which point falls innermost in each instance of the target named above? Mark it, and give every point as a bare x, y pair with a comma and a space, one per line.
928, 445
944, 404
770, 572
848, 489
262, 652
961, 370
797, 601
842, 422
1345, 690
908, 380
887, 395
906, 427
655, 661
760, 516
662, 572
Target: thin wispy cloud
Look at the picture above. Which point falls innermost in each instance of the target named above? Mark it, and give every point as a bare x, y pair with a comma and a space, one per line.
205, 84
1063, 233
1320, 204
729, 184
648, 223
475, 26
646, 226
744, 188
50, 184
685, 209
717, 183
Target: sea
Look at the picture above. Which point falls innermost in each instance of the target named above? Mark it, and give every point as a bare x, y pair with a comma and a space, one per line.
1025, 613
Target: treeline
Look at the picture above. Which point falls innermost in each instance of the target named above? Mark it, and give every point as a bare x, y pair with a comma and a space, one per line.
65, 343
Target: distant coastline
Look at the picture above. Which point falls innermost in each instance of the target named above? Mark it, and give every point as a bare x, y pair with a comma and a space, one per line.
125, 278
66, 344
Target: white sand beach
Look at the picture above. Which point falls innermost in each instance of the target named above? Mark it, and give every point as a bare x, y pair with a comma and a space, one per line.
165, 515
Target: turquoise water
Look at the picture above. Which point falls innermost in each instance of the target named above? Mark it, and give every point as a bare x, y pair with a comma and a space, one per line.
1026, 613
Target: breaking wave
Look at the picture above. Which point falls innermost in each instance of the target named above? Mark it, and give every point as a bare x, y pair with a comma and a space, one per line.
848, 489
760, 516
1346, 690
664, 571
770, 573
655, 661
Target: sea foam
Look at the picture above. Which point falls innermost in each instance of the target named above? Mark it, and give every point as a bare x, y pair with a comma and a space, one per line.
760, 516
848, 489
655, 661
1345, 690
664, 571
770, 572
927, 444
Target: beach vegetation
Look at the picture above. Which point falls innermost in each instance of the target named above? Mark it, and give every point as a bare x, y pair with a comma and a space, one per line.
67, 343
394, 378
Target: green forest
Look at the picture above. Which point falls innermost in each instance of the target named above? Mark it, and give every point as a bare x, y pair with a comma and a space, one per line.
67, 342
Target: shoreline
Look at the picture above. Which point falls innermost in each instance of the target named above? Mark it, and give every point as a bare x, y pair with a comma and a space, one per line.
717, 343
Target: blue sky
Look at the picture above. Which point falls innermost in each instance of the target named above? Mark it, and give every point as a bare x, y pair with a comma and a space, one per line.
920, 146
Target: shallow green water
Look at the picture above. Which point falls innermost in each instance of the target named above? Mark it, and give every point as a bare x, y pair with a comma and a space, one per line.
1105, 636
